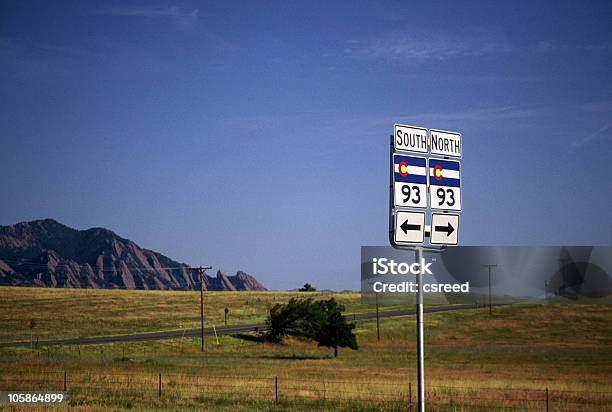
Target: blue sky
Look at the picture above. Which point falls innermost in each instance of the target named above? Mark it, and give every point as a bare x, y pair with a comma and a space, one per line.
254, 135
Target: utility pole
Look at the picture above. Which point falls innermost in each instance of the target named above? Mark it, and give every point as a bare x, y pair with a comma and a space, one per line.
490, 266
201, 271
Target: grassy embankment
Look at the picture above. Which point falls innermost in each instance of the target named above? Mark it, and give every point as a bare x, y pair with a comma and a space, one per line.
516, 354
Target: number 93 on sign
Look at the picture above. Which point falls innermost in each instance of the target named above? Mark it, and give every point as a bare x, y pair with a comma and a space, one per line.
445, 197
410, 195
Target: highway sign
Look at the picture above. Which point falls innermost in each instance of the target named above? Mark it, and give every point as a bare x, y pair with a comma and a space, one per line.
410, 138
409, 181
409, 227
445, 184
425, 174
444, 229
445, 143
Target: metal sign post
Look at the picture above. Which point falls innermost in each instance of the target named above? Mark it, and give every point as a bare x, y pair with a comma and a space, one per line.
412, 180
420, 340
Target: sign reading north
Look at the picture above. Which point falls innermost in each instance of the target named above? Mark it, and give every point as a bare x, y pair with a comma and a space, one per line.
445, 143
409, 181
445, 184
409, 227
444, 229
410, 138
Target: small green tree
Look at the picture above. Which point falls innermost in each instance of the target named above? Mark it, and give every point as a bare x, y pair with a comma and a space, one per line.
334, 331
307, 288
321, 321
299, 317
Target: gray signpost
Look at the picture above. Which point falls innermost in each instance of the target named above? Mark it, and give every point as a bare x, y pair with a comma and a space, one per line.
411, 180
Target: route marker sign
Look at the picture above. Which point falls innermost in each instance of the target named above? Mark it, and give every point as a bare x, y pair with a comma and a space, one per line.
444, 229
409, 181
409, 227
410, 138
445, 184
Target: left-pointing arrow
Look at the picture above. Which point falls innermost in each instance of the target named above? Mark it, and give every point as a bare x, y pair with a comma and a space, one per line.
407, 226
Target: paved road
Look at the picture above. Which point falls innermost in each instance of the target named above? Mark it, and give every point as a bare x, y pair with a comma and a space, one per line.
223, 330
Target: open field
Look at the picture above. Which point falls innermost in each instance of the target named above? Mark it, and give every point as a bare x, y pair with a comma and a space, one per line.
474, 361
79, 313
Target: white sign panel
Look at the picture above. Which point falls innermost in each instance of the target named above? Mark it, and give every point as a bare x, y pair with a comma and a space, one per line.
445, 143
444, 229
409, 227
410, 138
444, 184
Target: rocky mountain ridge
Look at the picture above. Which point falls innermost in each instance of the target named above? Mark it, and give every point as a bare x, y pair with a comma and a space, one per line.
46, 253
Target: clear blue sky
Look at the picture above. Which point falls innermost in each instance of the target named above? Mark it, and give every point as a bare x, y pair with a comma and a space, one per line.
254, 135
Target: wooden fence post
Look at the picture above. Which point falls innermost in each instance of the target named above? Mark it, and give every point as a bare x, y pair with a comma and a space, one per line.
546, 399
276, 389
159, 393
410, 395
65, 383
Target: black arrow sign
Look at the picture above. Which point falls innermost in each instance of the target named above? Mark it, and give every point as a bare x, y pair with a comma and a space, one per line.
407, 226
448, 229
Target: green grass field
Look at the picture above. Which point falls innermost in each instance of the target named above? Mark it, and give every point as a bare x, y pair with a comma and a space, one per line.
474, 361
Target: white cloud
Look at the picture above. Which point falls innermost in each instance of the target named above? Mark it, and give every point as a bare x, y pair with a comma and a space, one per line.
604, 106
603, 133
181, 18
419, 49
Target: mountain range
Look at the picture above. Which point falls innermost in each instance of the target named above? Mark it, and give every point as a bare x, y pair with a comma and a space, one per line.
46, 253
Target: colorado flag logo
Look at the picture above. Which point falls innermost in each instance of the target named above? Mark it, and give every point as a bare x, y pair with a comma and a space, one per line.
410, 169
444, 173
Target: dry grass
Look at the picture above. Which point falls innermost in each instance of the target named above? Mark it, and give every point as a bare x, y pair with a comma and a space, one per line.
78, 313
474, 362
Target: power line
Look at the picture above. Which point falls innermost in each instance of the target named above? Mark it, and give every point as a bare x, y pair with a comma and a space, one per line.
96, 268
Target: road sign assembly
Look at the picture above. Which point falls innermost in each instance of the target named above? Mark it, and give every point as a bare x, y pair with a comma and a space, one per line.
429, 178
411, 177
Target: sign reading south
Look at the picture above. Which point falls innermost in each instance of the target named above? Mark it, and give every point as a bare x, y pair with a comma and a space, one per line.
445, 143
409, 181
445, 184
410, 138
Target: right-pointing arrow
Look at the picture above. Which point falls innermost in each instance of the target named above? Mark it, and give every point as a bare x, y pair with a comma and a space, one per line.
448, 229
407, 226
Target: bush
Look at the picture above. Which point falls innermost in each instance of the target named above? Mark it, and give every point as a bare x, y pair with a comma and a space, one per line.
321, 321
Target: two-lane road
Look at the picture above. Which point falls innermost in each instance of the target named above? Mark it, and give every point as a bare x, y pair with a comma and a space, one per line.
223, 330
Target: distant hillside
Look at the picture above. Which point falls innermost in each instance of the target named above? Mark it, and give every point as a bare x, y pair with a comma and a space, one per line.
49, 254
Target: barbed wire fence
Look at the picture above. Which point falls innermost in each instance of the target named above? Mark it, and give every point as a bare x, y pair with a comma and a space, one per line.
87, 387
